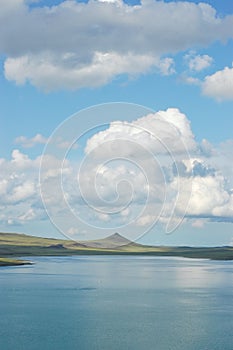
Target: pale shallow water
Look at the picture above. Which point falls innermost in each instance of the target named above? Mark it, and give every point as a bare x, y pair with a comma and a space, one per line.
117, 303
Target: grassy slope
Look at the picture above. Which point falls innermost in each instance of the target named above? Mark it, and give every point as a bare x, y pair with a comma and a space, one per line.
13, 262
15, 245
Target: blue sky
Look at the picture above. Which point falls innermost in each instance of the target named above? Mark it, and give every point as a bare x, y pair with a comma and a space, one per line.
59, 57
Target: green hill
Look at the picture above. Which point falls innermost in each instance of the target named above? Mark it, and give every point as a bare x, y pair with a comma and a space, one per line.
15, 245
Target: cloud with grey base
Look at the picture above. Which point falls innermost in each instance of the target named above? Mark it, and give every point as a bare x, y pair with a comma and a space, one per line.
74, 45
209, 173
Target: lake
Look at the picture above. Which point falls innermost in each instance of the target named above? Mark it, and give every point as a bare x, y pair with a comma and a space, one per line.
118, 302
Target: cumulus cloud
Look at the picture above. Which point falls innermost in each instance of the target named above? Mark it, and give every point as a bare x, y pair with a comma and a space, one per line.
50, 73
18, 187
197, 63
39, 139
161, 132
127, 175
74, 45
196, 180
219, 85
145, 220
21, 161
167, 66
208, 194
113, 186
211, 196
20, 190
17, 167
31, 142
190, 80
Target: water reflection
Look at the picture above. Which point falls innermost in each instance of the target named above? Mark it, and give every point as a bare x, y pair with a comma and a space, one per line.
102, 303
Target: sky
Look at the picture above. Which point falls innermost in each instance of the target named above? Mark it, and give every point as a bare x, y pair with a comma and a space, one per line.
117, 117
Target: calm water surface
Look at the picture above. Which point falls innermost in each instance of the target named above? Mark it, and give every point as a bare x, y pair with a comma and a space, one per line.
117, 303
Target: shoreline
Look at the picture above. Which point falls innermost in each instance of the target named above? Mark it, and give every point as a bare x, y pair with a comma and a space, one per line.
15, 248
5, 262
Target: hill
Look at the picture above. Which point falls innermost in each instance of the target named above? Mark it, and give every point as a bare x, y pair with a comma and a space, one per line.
111, 242
15, 245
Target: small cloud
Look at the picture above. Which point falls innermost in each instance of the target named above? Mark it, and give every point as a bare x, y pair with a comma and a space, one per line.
197, 63
31, 142
145, 220
191, 80
199, 223
39, 139
219, 85
28, 216
103, 217
166, 66
13, 222
76, 232
73, 231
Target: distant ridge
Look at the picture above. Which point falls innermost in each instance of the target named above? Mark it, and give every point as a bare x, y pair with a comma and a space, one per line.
16, 245
111, 242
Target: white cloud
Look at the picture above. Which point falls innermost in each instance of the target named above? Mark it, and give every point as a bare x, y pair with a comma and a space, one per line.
210, 197
19, 187
127, 176
219, 85
162, 132
22, 192
50, 73
199, 223
73, 231
118, 2
145, 220
198, 62
208, 193
28, 216
18, 179
21, 161
31, 142
166, 66
39, 139
74, 45
112, 187
191, 80
225, 210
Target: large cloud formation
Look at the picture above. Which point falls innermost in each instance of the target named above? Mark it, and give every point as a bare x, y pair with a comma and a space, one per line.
161, 131
74, 45
203, 176
126, 166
